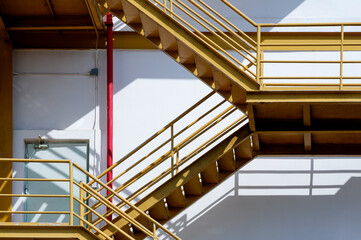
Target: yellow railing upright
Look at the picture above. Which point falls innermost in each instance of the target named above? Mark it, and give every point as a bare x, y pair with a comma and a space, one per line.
84, 190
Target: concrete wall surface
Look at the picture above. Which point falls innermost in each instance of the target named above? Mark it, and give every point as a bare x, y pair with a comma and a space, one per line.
270, 198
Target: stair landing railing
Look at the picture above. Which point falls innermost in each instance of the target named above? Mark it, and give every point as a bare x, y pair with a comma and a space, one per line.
340, 43
76, 193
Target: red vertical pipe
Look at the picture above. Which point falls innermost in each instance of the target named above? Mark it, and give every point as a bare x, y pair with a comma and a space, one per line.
109, 24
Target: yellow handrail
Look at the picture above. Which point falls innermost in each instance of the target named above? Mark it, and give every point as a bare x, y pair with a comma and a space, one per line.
79, 213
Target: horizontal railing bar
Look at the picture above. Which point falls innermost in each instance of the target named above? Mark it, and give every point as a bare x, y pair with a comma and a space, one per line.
32, 224
336, 24
306, 77
305, 61
302, 84
309, 44
32, 195
33, 160
297, 61
312, 84
36, 212
301, 44
34, 179
309, 77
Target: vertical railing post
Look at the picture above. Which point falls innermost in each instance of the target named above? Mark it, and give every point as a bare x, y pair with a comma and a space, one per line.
155, 232
177, 162
341, 55
171, 7
81, 207
258, 70
165, 6
172, 148
71, 193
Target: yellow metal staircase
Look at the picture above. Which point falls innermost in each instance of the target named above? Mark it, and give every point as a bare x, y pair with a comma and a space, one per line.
159, 184
203, 55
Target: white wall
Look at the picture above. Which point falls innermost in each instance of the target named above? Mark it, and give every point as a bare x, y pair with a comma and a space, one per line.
282, 11
273, 197
280, 198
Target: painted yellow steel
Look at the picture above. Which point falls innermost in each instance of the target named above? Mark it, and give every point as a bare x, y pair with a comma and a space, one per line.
180, 162
255, 43
83, 188
6, 118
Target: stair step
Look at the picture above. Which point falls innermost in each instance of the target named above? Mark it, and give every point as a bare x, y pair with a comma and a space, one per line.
173, 54
120, 236
227, 162
131, 13
238, 94
244, 150
191, 199
120, 14
156, 41
144, 222
193, 187
159, 211
138, 27
210, 174
185, 54
204, 68
225, 175
209, 81
150, 27
241, 162
191, 67
169, 42
221, 80
225, 94
115, 5
176, 199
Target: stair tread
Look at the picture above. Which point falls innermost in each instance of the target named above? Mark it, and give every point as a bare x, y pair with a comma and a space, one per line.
150, 27
159, 211
185, 53
169, 42
176, 198
193, 187
244, 150
131, 13
210, 174
227, 162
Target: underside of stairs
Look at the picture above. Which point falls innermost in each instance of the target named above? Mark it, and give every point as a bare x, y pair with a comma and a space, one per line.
190, 184
184, 47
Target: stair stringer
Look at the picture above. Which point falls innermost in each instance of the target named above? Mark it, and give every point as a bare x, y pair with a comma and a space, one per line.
183, 176
241, 81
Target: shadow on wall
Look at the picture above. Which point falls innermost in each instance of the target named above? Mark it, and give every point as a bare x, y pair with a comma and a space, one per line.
257, 10
236, 215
